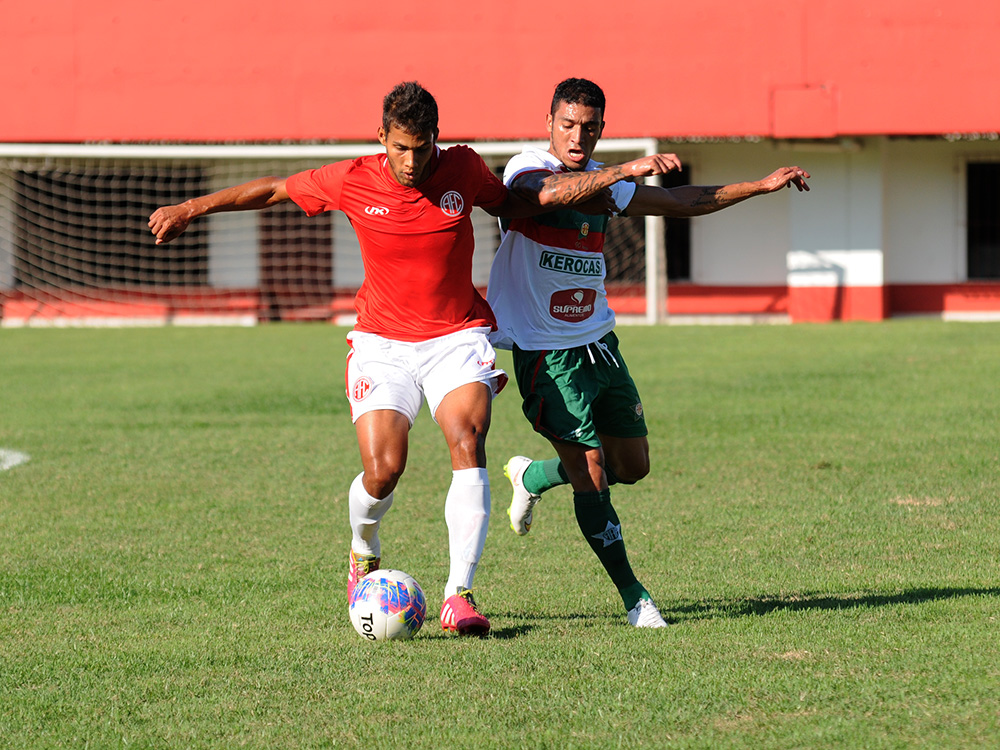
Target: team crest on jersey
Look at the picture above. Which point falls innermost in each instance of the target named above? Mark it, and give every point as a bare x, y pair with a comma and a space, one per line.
452, 203
638, 411
361, 388
584, 229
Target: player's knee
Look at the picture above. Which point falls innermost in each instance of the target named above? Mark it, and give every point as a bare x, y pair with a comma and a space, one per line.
382, 477
468, 447
628, 472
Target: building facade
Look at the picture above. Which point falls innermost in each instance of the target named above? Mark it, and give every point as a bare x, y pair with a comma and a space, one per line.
893, 107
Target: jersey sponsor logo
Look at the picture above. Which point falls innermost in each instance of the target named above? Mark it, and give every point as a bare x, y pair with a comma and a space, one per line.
572, 305
573, 264
452, 203
376, 210
361, 388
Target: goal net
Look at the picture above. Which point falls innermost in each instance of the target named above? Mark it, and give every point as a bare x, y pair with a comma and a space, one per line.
75, 248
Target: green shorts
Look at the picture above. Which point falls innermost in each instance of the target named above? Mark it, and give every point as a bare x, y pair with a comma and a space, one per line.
571, 395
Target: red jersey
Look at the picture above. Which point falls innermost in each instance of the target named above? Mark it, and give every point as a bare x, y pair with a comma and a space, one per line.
416, 242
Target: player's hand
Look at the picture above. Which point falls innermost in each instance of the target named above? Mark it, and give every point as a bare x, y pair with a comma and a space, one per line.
648, 166
785, 177
169, 221
602, 204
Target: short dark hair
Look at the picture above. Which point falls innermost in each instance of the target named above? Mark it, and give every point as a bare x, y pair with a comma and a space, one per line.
578, 91
411, 108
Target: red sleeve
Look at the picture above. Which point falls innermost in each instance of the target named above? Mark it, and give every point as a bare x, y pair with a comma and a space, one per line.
318, 190
491, 192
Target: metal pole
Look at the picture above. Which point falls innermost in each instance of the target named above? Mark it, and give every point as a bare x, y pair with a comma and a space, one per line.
656, 263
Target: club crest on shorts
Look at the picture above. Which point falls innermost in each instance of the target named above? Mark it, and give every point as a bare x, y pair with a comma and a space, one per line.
452, 203
361, 388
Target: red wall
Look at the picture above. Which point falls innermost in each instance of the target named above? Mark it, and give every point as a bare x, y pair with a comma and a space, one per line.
221, 70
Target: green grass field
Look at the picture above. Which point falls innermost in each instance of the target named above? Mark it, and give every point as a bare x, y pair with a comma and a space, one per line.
821, 526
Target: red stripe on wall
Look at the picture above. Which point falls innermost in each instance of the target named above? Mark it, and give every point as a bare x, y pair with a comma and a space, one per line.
822, 304
688, 299
693, 299
801, 304
938, 298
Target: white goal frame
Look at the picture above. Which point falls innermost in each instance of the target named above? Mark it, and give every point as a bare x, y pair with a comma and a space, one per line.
494, 152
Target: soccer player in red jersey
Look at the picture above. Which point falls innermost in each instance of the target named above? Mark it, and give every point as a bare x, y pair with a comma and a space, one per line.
422, 327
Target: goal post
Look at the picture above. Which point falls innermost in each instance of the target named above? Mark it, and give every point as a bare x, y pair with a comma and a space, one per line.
75, 249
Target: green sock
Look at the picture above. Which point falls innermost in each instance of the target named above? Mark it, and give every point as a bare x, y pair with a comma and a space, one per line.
541, 476
602, 529
544, 475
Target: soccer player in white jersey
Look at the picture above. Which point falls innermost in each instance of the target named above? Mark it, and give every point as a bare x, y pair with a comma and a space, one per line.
421, 332
547, 290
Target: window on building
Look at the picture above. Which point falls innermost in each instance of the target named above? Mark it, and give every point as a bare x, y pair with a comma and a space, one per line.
677, 240
983, 220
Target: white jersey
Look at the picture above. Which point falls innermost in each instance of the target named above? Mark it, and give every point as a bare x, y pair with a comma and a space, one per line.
547, 281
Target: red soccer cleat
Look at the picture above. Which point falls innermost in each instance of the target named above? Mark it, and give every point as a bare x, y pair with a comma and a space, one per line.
361, 565
459, 613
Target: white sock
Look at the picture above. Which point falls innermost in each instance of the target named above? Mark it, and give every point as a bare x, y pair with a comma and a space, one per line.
366, 514
467, 513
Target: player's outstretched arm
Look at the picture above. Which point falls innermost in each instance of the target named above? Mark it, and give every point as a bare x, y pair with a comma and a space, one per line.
169, 221
557, 189
517, 207
698, 200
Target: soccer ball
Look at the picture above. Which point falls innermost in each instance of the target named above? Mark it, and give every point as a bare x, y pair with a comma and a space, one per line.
387, 605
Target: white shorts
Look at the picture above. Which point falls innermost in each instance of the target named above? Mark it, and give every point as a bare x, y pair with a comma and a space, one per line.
398, 375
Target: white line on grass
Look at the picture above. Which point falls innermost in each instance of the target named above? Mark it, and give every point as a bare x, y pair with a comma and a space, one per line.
9, 459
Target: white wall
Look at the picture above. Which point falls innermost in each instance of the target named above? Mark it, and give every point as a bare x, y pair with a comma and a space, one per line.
747, 243
925, 208
903, 198
836, 229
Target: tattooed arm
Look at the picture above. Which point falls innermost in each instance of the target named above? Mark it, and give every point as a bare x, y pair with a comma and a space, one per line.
697, 200
552, 190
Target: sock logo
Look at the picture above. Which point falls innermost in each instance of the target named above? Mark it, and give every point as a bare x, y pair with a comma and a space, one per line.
612, 534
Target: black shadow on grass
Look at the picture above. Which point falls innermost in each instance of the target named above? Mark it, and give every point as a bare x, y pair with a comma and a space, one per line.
765, 605
501, 634
506, 634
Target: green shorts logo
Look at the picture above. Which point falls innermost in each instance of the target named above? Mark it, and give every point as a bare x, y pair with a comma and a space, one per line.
593, 266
